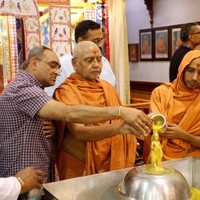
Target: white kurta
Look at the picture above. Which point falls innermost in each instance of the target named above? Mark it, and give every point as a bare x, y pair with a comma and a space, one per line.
9, 188
67, 69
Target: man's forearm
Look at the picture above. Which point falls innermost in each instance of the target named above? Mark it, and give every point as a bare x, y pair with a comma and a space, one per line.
90, 114
93, 133
76, 114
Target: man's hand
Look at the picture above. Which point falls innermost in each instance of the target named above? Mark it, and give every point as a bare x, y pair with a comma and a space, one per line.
127, 129
173, 131
48, 128
137, 119
30, 178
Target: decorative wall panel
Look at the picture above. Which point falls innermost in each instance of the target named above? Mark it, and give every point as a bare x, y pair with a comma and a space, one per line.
13, 46
18, 8
60, 29
31, 32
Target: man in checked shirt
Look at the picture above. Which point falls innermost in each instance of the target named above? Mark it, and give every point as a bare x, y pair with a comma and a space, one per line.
24, 106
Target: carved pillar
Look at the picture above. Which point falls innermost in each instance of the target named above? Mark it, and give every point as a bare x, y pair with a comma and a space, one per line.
149, 4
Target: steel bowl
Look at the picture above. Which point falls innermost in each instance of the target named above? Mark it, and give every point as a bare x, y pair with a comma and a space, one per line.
166, 184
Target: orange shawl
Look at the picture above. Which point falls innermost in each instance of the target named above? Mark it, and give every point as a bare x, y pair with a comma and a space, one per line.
179, 105
109, 154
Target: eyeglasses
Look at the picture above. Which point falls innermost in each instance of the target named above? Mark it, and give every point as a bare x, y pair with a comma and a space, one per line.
53, 65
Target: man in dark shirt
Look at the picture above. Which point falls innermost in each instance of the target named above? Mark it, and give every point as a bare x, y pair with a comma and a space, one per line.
190, 36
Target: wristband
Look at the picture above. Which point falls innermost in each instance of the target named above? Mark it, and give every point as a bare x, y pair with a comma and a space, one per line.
118, 112
21, 183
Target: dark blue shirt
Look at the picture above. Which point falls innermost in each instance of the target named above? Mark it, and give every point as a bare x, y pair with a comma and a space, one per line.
176, 61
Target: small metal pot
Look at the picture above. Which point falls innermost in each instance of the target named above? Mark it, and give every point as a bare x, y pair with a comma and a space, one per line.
159, 119
168, 184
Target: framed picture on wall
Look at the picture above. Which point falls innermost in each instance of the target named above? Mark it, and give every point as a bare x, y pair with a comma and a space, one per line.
146, 45
175, 38
162, 45
133, 52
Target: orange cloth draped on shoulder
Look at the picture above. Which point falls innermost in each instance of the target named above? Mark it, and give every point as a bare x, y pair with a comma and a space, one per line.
180, 106
113, 153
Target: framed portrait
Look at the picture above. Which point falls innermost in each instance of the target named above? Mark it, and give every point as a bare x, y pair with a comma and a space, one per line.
162, 49
175, 38
133, 52
146, 48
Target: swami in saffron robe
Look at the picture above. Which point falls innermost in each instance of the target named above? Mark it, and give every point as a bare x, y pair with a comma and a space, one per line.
112, 153
180, 106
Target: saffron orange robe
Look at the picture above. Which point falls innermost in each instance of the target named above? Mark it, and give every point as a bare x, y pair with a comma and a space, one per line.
180, 106
100, 156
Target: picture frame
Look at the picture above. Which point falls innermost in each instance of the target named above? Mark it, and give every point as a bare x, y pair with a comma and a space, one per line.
175, 38
146, 44
133, 52
162, 44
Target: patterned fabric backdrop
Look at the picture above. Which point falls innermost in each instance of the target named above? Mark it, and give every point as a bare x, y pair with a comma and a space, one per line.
18, 8
60, 29
20, 38
54, 2
24, 30
1, 78
2, 54
12, 26
102, 18
6, 58
31, 32
89, 13
13, 46
44, 30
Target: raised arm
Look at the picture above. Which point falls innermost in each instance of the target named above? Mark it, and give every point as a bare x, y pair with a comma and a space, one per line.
89, 114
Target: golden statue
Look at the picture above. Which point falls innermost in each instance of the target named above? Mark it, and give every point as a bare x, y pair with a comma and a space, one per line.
156, 152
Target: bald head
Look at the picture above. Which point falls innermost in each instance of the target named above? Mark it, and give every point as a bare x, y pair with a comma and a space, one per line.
84, 46
87, 60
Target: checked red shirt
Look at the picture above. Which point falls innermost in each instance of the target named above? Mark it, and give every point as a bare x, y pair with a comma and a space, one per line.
22, 141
